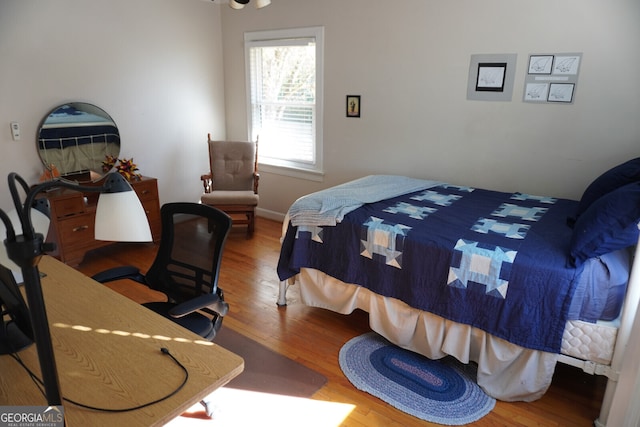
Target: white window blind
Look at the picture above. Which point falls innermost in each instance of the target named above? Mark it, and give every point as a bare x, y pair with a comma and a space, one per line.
284, 98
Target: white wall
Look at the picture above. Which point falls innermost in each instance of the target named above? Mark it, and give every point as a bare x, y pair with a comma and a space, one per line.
409, 61
157, 67
154, 65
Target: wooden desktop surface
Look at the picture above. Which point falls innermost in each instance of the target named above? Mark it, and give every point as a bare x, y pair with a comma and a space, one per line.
107, 351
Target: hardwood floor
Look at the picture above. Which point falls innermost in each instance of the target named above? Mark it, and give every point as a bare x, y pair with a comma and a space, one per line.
314, 336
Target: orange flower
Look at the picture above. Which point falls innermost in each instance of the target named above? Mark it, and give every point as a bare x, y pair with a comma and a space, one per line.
108, 163
128, 169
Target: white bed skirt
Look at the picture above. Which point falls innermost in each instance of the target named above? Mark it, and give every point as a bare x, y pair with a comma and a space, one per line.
505, 371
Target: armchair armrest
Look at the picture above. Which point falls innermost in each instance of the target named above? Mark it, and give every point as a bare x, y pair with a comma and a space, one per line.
256, 178
207, 182
211, 301
118, 273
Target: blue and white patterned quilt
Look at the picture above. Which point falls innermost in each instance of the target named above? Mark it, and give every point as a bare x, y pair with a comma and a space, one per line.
496, 261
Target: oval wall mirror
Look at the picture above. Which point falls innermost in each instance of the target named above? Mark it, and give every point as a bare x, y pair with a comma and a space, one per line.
75, 138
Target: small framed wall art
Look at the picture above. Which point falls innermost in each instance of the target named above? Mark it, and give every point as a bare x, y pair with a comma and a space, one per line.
491, 76
353, 105
540, 64
561, 92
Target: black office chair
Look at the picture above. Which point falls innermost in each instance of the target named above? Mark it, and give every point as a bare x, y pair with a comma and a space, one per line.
16, 331
186, 267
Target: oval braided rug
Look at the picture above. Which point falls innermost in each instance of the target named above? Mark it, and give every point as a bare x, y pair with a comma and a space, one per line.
440, 391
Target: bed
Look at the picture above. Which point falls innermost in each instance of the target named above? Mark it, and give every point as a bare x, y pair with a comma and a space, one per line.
511, 281
75, 140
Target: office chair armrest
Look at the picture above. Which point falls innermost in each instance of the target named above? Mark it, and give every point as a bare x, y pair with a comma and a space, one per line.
211, 301
117, 273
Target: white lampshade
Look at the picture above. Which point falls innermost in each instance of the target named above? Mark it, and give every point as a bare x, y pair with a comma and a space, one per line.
262, 3
120, 217
40, 224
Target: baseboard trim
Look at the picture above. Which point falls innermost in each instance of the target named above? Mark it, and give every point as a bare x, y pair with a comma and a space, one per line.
265, 213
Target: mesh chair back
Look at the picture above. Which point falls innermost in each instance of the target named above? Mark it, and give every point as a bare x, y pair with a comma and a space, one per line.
188, 261
16, 331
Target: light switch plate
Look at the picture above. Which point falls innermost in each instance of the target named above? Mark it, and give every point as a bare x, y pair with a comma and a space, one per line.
15, 131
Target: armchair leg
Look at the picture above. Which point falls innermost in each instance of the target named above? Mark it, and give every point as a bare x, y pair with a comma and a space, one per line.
251, 218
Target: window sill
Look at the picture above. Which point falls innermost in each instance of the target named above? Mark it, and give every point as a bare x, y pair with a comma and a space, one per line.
292, 172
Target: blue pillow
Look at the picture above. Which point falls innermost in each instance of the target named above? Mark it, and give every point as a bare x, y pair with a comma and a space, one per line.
616, 177
610, 223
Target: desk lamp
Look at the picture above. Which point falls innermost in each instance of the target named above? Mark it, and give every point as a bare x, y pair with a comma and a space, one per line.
119, 217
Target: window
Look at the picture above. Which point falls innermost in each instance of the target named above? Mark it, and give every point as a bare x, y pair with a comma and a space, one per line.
284, 97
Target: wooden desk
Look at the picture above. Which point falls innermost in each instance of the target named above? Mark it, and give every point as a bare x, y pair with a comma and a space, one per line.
107, 350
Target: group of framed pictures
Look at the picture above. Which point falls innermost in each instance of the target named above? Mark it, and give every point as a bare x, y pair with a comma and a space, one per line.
552, 78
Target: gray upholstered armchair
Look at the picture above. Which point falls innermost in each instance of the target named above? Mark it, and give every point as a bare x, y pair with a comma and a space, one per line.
232, 183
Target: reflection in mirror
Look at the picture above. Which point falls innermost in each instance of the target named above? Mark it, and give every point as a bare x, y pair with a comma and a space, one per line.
75, 139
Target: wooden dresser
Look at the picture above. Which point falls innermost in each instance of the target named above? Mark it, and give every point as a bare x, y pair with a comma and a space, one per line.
73, 219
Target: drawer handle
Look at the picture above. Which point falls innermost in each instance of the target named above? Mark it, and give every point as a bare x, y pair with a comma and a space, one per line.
81, 228
144, 192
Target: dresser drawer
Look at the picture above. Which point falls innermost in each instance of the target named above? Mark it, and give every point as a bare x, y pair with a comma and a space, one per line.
77, 230
69, 205
146, 189
151, 209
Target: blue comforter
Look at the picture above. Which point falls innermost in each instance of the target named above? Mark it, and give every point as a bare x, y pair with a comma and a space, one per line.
492, 260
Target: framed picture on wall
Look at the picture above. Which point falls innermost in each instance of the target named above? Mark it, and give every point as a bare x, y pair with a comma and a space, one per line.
536, 92
561, 92
491, 76
353, 105
567, 65
540, 64
552, 78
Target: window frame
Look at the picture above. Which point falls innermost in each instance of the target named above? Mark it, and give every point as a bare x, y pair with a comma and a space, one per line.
312, 171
